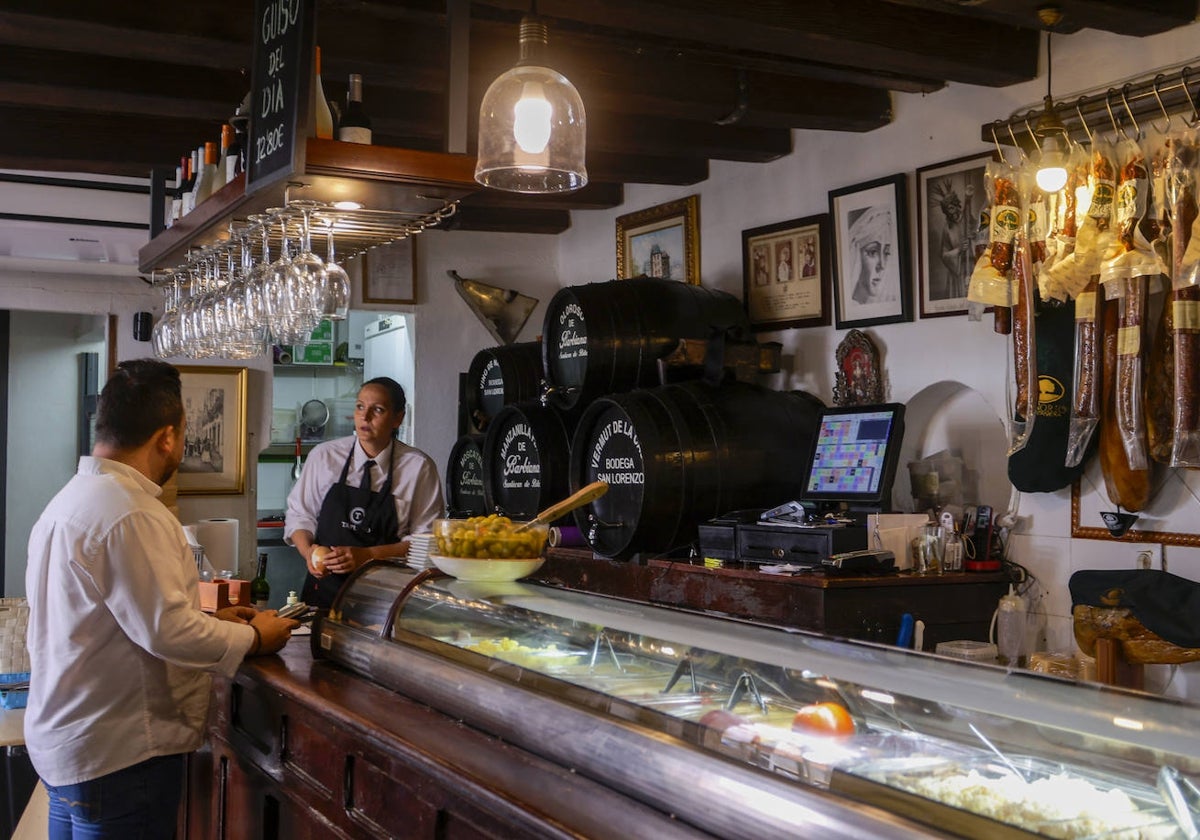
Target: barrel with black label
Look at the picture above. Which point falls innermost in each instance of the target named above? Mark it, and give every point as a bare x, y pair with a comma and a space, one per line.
465, 491
499, 376
525, 458
679, 455
606, 338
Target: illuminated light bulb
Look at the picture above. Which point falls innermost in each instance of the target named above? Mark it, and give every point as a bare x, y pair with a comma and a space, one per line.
1052, 174
531, 119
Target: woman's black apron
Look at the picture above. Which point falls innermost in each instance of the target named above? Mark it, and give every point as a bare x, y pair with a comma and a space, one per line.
353, 516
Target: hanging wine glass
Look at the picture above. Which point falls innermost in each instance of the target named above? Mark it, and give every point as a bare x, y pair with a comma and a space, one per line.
256, 301
336, 298
307, 282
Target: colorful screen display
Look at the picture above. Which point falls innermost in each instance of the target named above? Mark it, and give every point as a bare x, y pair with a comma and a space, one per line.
854, 455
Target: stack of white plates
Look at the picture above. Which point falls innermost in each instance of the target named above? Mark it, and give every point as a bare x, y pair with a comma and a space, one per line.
419, 548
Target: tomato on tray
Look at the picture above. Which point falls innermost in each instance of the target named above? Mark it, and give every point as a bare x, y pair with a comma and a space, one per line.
824, 719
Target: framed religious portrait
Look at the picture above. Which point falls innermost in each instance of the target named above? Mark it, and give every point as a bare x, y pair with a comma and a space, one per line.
389, 272
661, 241
872, 281
785, 274
950, 198
214, 442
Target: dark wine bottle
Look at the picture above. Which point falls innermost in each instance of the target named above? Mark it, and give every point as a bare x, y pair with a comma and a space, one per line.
260, 590
355, 125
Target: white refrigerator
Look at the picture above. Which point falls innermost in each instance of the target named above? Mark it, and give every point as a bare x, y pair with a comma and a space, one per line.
388, 350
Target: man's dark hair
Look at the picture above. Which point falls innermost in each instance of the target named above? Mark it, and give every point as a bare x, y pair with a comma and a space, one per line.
394, 390
140, 397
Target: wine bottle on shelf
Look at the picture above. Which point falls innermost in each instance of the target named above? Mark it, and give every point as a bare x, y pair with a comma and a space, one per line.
318, 105
189, 194
260, 590
355, 125
206, 179
228, 161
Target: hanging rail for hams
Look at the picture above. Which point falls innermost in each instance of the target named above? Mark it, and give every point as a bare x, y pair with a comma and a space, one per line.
1167, 94
355, 231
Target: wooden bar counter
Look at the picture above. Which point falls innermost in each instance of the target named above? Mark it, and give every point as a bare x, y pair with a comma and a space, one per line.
305, 750
953, 606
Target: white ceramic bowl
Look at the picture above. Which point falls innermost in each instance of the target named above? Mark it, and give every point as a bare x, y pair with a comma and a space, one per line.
487, 568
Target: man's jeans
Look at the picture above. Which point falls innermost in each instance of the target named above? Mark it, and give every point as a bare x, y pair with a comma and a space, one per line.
138, 803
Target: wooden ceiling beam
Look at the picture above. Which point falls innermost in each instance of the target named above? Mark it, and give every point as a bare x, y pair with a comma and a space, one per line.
509, 220
868, 34
645, 169
595, 196
1124, 17
618, 133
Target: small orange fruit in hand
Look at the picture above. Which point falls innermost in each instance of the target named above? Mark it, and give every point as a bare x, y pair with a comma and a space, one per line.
824, 719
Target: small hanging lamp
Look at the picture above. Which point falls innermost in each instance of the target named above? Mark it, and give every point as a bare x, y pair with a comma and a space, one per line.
531, 124
1050, 130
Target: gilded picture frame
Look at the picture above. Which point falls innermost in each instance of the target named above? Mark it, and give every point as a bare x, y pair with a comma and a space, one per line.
661, 241
214, 450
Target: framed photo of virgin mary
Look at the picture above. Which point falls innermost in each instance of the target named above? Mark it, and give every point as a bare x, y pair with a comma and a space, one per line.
872, 270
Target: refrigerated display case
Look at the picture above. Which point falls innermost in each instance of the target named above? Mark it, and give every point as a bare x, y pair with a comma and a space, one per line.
740, 729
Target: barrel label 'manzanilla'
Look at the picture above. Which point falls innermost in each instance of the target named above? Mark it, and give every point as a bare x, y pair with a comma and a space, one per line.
572, 333
616, 456
519, 455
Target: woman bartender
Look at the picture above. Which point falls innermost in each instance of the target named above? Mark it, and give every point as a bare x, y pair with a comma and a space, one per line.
359, 496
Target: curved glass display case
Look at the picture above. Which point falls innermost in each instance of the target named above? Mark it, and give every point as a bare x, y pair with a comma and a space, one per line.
740, 728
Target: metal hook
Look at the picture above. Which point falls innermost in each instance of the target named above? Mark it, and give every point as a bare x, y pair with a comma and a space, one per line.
1014, 139
1158, 98
1033, 137
1117, 129
1183, 80
1082, 122
996, 140
1137, 131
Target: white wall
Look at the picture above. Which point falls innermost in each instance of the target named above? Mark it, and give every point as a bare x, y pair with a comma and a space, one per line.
927, 130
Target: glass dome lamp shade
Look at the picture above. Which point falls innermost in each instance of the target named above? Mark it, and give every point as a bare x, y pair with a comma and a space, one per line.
532, 126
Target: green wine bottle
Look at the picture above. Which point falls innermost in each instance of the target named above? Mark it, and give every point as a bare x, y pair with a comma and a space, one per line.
260, 590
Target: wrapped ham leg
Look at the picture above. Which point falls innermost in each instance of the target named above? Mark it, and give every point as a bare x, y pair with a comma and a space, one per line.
991, 279
1184, 310
1085, 407
1023, 347
1126, 486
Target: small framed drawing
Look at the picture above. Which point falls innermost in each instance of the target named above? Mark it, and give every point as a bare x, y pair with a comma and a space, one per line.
662, 241
872, 271
214, 444
389, 273
950, 197
785, 274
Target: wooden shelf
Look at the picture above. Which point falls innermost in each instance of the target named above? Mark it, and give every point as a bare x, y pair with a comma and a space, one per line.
378, 177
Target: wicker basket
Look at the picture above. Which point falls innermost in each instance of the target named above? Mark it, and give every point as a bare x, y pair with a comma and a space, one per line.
14, 619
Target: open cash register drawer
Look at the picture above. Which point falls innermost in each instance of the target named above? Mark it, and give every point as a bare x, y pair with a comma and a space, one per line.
678, 708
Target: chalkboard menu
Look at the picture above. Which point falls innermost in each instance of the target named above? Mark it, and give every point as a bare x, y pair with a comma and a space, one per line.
282, 76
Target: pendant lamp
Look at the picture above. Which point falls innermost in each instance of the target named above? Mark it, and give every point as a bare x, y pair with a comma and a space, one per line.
531, 124
1050, 131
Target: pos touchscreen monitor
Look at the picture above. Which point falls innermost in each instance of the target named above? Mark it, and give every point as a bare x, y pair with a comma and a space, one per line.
854, 456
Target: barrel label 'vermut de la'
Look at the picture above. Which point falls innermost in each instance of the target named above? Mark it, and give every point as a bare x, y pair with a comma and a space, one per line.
519, 455
616, 456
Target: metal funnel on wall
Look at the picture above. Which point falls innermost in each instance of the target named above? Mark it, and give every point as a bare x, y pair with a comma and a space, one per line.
502, 311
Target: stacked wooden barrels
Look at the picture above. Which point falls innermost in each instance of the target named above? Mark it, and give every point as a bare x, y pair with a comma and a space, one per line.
674, 455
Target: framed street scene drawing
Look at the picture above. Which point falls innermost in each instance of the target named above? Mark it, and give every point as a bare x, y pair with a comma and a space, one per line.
389, 273
785, 274
214, 443
871, 279
950, 198
662, 241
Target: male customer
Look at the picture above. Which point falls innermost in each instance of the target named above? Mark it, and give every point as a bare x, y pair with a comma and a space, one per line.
119, 649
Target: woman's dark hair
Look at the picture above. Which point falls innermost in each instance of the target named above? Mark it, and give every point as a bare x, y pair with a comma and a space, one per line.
395, 391
141, 397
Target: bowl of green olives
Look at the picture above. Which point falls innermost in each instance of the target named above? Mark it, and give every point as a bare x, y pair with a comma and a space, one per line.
488, 548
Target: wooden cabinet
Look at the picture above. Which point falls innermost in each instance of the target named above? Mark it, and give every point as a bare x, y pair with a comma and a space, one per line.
300, 750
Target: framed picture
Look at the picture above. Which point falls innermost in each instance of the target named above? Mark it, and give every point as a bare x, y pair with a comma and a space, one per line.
389, 273
872, 282
214, 443
950, 197
785, 274
662, 241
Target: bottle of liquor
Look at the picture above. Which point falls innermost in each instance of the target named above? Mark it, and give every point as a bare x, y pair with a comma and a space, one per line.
260, 590
189, 192
227, 163
355, 125
206, 180
322, 117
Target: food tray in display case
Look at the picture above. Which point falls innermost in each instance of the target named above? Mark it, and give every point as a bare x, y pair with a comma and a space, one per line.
678, 708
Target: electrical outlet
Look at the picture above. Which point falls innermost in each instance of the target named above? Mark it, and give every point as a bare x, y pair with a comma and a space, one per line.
1149, 558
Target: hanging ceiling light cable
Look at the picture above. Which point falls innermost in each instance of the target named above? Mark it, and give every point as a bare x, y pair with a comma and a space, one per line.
1050, 130
532, 127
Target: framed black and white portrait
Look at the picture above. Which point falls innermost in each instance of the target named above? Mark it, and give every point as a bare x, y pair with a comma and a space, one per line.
872, 268
950, 198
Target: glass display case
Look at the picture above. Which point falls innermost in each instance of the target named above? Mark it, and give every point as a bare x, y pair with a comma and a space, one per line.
743, 728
